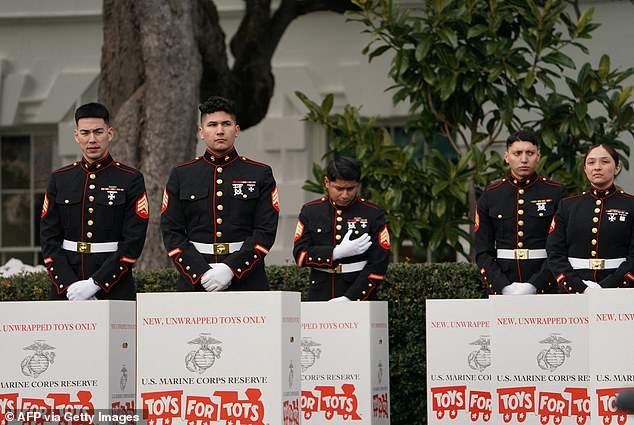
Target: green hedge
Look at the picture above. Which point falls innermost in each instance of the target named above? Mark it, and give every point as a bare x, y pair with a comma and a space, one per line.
406, 288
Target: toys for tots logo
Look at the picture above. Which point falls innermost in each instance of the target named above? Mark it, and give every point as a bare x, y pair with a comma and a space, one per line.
161, 407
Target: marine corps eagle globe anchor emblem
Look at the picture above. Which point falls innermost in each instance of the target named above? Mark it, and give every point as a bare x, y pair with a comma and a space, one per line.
202, 359
39, 362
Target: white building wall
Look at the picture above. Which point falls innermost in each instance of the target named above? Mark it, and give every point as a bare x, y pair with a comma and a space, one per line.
50, 59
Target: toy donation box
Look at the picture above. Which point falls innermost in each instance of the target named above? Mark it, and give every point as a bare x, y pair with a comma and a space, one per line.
67, 362
219, 358
345, 363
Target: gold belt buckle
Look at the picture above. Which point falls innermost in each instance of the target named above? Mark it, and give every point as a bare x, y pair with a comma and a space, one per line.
83, 247
337, 269
597, 264
521, 254
221, 248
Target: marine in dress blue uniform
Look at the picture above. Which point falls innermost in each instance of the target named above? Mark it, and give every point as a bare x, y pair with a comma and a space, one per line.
324, 224
94, 217
591, 241
512, 221
220, 211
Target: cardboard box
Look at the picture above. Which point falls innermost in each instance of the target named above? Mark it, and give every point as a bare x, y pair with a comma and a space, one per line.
345, 363
225, 358
67, 362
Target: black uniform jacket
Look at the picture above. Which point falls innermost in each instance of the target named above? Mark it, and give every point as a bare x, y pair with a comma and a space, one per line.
599, 225
220, 199
320, 227
515, 214
94, 203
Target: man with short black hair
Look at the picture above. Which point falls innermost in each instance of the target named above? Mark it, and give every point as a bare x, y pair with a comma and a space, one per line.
220, 210
512, 220
343, 238
94, 217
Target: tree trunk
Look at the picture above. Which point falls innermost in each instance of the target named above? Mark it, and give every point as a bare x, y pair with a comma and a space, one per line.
161, 58
151, 82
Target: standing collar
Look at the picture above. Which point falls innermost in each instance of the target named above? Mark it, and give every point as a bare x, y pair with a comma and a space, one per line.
602, 193
219, 160
523, 182
97, 165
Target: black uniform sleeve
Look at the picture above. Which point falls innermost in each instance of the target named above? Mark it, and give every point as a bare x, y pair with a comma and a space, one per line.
51, 236
556, 247
378, 257
307, 254
256, 246
189, 262
133, 233
493, 276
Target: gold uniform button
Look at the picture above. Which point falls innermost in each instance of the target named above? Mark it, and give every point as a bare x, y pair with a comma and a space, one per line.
89, 235
520, 233
520, 212
92, 186
219, 181
219, 169
66, 201
499, 215
62, 285
106, 284
246, 263
194, 275
219, 193
339, 219
219, 220
319, 230
338, 227
595, 230
92, 177
356, 232
593, 241
338, 237
598, 202
114, 276
91, 210
244, 195
595, 219
521, 191
597, 210
90, 222
110, 203
180, 260
187, 267
192, 196
91, 198
339, 212
541, 214
98, 165
520, 244
239, 270
219, 234
593, 253
520, 201
520, 223
220, 208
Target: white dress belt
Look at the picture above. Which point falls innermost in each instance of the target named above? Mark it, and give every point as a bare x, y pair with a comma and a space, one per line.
522, 254
595, 263
217, 248
345, 268
90, 247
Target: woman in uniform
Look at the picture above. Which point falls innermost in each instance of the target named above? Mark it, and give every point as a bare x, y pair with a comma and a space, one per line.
591, 240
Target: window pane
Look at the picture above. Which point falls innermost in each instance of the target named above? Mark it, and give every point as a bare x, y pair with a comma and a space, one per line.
42, 158
15, 153
16, 220
25, 257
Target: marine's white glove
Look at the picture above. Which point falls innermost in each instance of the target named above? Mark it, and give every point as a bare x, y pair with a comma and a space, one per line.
218, 278
591, 286
342, 299
524, 288
350, 248
510, 289
82, 290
